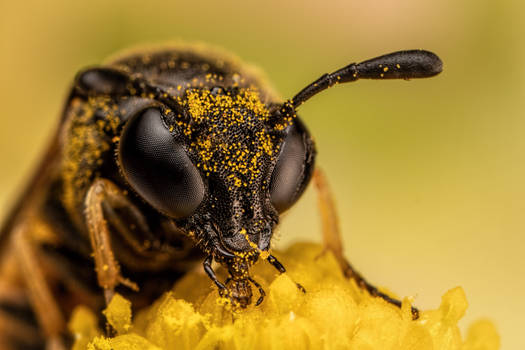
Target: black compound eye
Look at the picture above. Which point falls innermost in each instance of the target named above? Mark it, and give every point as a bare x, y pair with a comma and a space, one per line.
157, 166
293, 169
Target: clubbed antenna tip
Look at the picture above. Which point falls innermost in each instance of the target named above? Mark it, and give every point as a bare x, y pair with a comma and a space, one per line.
397, 65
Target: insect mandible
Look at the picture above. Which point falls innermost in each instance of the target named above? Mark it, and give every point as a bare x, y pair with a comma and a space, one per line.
162, 160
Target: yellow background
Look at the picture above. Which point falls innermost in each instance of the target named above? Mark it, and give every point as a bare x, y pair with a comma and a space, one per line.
429, 175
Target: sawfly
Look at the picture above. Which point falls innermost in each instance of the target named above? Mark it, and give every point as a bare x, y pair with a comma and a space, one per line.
162, 160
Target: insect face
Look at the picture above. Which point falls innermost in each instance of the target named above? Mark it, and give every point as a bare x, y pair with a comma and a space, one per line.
223, 166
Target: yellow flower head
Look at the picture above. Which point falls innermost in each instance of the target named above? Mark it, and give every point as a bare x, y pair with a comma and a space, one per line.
333, 314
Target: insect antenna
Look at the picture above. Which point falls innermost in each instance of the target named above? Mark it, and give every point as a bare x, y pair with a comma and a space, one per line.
397, 65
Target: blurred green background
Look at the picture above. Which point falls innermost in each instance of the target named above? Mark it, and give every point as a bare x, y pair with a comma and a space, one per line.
429, 175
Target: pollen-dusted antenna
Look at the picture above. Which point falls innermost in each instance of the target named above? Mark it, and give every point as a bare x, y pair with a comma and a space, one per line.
397, 65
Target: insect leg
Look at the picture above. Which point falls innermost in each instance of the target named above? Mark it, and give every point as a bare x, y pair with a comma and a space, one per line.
107, 268
18, 324
332, 240
46, 308
211, 274
138, 246
277, 264
261, 291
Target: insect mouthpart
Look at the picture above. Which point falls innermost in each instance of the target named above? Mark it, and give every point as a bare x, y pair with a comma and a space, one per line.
237, 286
239, 291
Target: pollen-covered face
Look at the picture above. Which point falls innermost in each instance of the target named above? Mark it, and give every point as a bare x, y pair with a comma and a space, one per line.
222, 164
234, 146
202, 147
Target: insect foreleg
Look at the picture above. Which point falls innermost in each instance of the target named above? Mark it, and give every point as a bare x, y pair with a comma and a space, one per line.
127, 223
276, 263
279, 267
211, 274
46, 308
333, 242
262, 293
107, 268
